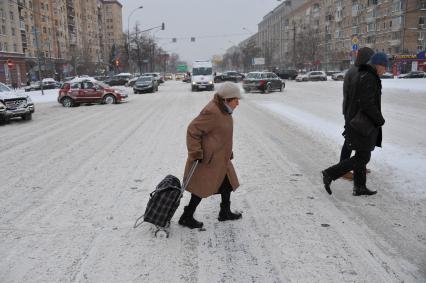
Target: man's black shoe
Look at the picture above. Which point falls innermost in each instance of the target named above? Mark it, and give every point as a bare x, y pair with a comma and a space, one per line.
364, 191
327, 181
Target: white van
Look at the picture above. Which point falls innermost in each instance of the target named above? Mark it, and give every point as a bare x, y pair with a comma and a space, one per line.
202, 75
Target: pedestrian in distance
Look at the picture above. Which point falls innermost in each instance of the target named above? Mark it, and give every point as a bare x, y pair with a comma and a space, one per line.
363, 125
349, 86
209, 140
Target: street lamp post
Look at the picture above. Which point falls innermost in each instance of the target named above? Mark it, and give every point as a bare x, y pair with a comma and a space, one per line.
128, 32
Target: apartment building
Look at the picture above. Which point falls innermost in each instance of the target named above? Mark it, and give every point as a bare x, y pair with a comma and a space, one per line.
11, 43
113, 28
61, 36
325, 34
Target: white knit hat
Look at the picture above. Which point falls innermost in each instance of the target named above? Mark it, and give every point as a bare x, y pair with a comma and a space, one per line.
229, 90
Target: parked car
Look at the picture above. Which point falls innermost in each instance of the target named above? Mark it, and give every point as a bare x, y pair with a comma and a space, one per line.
14, 104
232, 76
50, 83
74, 93
287, 74
262, 81
168, 76
339, 76
387, 75
145, 84
302, 77
33, 86
412, 75
331, 73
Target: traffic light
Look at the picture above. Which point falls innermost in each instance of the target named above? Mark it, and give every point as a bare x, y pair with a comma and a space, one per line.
163, 26
9, 63
117, 62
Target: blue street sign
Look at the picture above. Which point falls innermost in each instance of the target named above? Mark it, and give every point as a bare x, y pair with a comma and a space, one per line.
355, 47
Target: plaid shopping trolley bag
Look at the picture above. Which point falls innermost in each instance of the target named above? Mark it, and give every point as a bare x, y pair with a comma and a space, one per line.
163, 202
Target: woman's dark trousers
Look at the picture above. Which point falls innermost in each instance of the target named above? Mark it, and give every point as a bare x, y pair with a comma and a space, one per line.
357, 163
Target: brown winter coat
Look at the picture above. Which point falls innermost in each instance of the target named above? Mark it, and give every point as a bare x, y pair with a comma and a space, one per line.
209, 138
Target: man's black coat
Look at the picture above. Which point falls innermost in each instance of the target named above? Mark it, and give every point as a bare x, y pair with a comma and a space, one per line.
365, 94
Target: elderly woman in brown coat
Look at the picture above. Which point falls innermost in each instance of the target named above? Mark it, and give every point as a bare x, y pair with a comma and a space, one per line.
209, 140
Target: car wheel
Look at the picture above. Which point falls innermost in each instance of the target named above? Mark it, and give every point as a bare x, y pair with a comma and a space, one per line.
192, 88
282, 87
67, 102
246, 90
27, 116
152, 90
109, 99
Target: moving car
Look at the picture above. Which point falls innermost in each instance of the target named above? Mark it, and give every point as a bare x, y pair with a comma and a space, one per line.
179, 76
145, 84
262, 81
132, 82
202, 75
168, 77
157, 76
73, 93
412, 75
339, 76
231, 76
119, 79
14, 104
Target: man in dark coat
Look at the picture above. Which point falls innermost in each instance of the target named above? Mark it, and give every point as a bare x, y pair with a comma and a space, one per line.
349, 85
364, 101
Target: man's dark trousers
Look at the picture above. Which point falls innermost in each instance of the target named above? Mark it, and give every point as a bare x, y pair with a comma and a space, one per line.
346, 151
357, 163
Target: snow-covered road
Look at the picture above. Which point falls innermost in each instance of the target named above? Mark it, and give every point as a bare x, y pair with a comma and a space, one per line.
74, 180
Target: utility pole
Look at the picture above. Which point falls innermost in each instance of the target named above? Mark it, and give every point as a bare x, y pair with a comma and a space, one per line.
40, 74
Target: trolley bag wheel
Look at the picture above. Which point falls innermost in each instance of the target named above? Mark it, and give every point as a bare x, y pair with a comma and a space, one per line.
161, 233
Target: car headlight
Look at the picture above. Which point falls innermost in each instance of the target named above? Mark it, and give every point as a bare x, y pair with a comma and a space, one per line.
193, 83
210, 82
2, 106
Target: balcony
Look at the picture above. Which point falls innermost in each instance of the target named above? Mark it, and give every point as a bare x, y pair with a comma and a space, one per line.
73, 39
21, 24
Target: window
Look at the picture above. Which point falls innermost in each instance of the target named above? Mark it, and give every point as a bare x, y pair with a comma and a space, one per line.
11, 16
396, 6
13, 31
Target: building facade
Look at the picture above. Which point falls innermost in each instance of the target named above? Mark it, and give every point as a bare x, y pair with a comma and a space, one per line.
325, 34
57, 38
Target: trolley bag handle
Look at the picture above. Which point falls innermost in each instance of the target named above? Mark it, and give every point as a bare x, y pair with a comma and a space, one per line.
188, 178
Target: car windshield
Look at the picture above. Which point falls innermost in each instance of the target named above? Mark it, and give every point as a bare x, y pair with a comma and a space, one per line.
4, 88
144, 79
202, 71
253, 76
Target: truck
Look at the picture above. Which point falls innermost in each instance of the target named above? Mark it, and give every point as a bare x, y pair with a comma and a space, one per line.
202, 75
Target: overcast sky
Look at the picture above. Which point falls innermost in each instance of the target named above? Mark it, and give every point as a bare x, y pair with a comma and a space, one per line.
215, 24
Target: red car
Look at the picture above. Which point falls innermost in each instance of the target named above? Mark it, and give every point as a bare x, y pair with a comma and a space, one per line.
86, 91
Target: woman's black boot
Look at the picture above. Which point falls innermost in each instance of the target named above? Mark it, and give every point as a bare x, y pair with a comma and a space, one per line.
187, 219
226, 213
